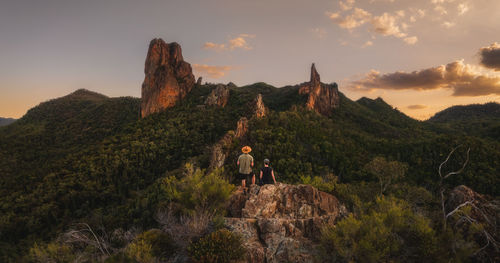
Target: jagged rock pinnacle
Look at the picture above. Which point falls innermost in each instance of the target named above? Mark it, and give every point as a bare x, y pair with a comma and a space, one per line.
323, 98
315, 79
168, 78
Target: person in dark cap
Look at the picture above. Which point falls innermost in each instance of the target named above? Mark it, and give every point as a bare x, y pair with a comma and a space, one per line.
267, 173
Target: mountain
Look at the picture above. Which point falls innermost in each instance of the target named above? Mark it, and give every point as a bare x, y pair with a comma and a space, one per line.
482, 120
471, 112
6, 121
86, 159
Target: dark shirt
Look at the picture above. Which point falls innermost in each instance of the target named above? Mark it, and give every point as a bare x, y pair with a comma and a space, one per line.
267, 177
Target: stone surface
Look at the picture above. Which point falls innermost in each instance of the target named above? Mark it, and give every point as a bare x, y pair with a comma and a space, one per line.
281, 223
259, 108
483, 210
219, 96
220, 151
241, 127
168, 78
322, 98
198, 82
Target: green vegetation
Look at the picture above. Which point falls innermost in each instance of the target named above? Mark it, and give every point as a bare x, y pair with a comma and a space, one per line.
86, 158
221, 246
389, 232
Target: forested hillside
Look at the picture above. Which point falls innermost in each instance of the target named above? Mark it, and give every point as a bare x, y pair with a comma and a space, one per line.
89, 158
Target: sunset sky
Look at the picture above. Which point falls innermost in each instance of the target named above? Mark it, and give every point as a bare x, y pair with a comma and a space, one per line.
420, 56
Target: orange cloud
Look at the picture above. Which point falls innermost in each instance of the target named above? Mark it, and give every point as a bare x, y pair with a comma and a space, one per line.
385, 24
238, 42
215, 46
212, 71
462, 78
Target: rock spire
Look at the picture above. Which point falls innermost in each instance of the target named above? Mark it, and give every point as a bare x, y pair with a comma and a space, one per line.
322, 98
168, 78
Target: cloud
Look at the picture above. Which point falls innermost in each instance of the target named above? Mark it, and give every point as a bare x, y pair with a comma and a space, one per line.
214, 46
462, 8
440, 9
448, 24
347, 5
385, 24
212, 71
416, 107
318, 32
356, 19
367, 44
490, 56
238, 42
462, 79
410, 40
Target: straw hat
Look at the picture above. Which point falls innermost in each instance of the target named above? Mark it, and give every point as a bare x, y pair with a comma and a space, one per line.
246, 149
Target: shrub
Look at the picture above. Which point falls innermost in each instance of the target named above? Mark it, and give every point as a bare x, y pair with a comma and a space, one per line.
141, 251
197, 191
162, 245
389, 232
52, 252
220, 246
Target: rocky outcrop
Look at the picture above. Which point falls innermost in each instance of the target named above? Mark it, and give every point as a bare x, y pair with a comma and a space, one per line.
482, 209
219, 96
241, 127
198, 82
221, 149
322, 98
281, 223
259, 108
168, 77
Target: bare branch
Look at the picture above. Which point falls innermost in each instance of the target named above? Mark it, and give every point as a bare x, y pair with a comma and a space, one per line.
445, 161
461, 169
457, 209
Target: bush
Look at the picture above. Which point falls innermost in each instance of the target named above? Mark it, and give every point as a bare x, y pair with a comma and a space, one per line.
141, 251
52, 252
220, 246
151, 245
197, 191
389, 232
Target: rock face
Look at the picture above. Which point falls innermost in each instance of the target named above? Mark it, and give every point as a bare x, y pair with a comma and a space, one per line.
482, 209
168, 77
198, 82
323, 98
219, 96
281, 223
258, 107
241, 127
220, 151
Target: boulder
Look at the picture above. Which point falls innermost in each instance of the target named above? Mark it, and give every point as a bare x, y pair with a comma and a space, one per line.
168, 78
322, 98
281, 222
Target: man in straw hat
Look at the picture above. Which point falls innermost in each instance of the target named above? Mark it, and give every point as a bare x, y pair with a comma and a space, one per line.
245, 162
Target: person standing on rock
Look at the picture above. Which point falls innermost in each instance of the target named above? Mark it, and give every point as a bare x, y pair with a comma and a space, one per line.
245, 162
266, 173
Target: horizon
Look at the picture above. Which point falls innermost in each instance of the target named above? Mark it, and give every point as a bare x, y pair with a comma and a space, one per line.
419, 57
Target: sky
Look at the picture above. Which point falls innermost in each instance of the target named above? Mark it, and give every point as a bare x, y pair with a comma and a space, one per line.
420, 56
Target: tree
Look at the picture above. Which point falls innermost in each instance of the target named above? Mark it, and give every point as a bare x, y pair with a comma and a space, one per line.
386, 172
